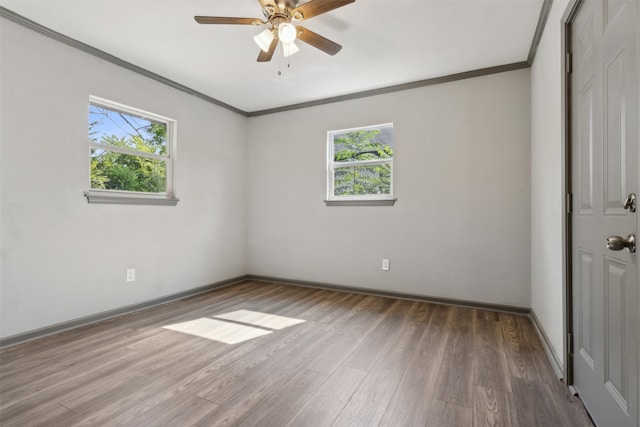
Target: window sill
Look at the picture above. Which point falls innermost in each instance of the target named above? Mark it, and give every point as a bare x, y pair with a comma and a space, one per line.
378, 202
129, 199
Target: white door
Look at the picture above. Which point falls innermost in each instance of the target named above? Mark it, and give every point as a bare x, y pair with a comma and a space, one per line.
604, 162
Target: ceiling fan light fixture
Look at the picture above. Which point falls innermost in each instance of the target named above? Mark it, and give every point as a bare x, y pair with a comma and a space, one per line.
289, 49
287, 33
281, 15
264, 39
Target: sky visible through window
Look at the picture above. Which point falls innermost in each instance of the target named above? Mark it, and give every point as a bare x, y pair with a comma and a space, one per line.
106, 122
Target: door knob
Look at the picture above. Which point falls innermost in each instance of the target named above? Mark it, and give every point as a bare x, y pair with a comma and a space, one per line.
617, 243
630, 203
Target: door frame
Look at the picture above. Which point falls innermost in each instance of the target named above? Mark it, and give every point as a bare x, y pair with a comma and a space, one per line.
568, 18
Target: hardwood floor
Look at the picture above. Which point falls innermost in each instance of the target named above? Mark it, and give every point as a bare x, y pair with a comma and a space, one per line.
356, 360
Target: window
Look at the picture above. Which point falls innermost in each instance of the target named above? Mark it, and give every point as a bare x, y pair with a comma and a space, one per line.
360, 166
131, 155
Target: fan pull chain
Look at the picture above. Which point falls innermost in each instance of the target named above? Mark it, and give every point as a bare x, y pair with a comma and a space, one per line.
288, 66
281, 59
280, 50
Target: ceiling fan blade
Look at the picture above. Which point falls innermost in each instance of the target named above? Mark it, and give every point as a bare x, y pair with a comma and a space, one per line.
317, 41
317, 7
223, 20
266, 56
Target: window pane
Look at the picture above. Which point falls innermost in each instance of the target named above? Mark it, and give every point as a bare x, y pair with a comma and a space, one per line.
111, 127
364, 144
362, 180
124, 172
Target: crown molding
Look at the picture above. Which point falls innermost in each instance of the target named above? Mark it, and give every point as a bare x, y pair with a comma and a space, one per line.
537, 36
405, 86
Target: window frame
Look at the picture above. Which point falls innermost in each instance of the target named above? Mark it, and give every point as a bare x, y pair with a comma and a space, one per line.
357, 200
135, 197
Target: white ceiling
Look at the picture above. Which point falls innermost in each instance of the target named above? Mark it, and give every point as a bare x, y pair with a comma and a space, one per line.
385, 43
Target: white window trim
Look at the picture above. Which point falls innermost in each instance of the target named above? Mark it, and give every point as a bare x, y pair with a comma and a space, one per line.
361, 200
166, 198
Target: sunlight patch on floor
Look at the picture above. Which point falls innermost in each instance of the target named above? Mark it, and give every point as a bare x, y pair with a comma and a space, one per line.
217, 330
264, 320
234, 327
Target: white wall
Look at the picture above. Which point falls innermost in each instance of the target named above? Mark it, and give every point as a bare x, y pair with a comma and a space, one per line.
461, 225
62, 258
547, 181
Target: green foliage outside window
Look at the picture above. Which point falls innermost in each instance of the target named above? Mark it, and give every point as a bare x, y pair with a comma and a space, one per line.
113, 170
361, 179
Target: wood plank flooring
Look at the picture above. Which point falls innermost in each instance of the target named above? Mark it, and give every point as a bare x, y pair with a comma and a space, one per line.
356, 360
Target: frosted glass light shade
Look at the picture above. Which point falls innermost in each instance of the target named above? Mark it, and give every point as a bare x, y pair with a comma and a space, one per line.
287, 33
289, 49
264, 39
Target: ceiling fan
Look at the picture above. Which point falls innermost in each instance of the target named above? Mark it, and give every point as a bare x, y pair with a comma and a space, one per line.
279, 16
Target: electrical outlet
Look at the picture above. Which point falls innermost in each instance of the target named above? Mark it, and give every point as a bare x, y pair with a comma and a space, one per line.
385, 264
131, 274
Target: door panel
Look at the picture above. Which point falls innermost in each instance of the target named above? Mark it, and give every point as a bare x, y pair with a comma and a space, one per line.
616, 185
584, 291
612, 9
604, 163
615, 373
586, 149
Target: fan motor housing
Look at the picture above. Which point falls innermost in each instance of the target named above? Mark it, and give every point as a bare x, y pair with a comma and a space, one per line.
278, 18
